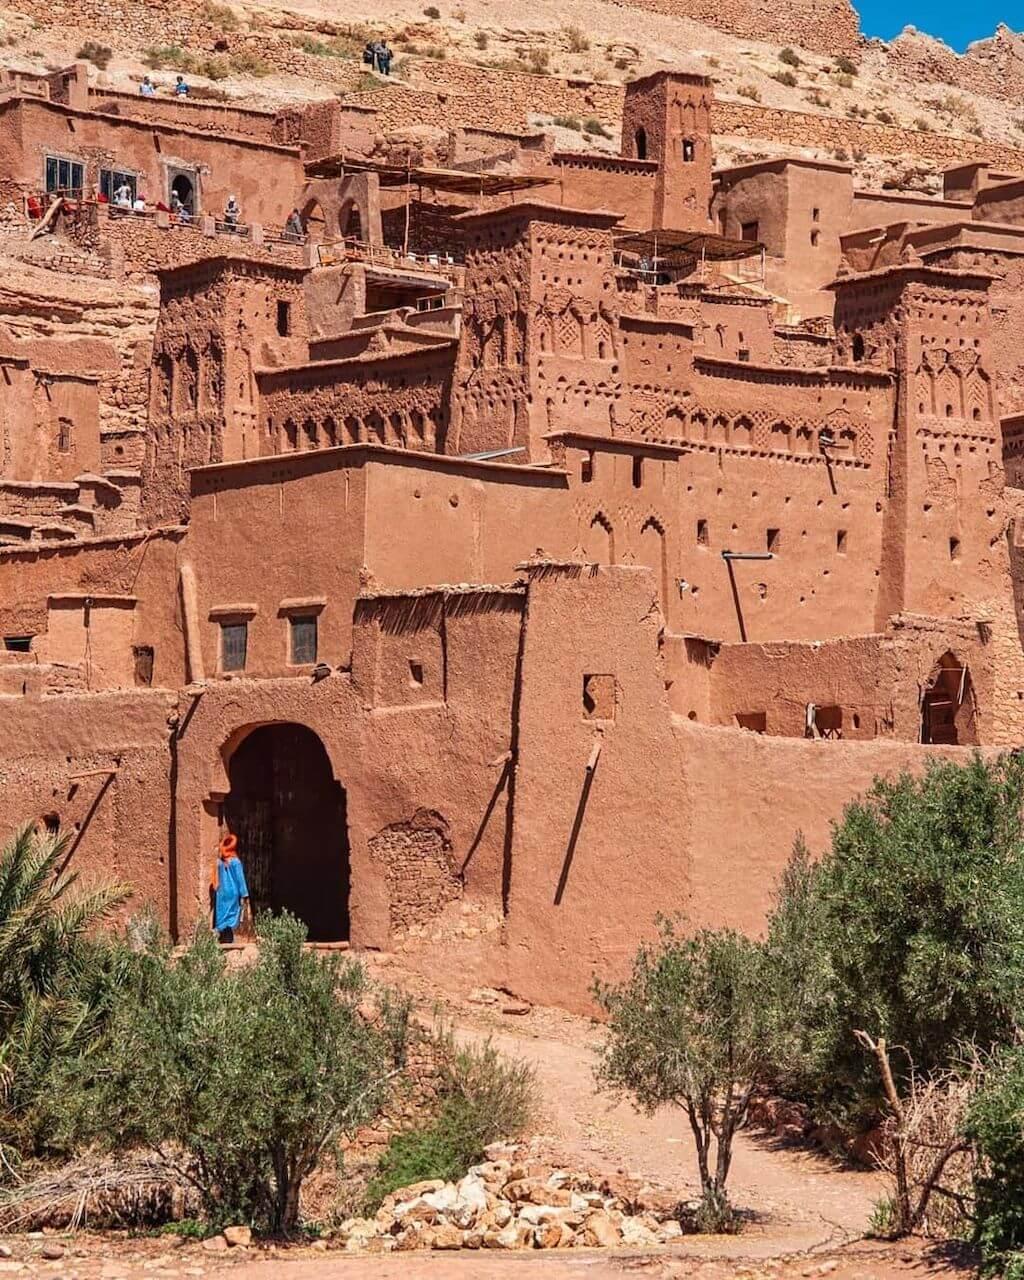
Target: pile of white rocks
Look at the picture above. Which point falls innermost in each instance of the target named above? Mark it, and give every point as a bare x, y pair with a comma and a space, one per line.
512, 1203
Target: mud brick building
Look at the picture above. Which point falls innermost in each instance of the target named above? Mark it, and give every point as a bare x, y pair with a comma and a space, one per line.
537, 540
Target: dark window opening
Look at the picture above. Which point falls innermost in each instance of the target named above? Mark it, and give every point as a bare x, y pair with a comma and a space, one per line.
587, 468
688, 150
303, 640
18, 644
815, 215
755, 721
284, 319
113, 180
954, 548
858, 348
51, 823
773, 540
814, 239
638, 472
640, 143
64, 177
63, 435
234, 638
750, 231
415, 672
702, 533
841, 541
828, 722
743, 355
143, 655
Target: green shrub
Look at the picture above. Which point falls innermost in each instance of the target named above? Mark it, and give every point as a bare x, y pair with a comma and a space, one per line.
156, 57
567, 122
481, 39
922, 125
483, 1097
537, 61
911, 927
595, 128
884, 117
250, 1074
219, 15
843, 80
578, 42
845, 66
790, 57
787, 78
245, 63
995, 1123
750, 91
98, 54
431, 11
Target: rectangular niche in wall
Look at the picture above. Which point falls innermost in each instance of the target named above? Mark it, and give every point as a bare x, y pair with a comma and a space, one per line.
598, 697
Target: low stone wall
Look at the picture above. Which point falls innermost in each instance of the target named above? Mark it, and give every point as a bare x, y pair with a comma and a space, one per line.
448, 94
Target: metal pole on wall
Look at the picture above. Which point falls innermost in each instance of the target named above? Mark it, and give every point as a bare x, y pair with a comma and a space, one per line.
408, 202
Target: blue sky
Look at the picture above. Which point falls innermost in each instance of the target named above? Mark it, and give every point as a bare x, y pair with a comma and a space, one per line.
957, 23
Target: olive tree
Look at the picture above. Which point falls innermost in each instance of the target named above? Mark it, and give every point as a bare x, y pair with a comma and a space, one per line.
689, 1027
240, 1080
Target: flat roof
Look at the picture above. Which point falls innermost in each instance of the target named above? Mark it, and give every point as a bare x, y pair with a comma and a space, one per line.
399, 175
341, 456
708, 244
543, 209
778, 164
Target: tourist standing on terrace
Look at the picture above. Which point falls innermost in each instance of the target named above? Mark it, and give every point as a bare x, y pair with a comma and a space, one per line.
232, 212
147, 88
384, 56
228, 890
180, 87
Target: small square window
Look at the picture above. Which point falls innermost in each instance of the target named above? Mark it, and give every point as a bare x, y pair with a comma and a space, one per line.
750, 231
234, 638
303, 639
773, 540
18, 644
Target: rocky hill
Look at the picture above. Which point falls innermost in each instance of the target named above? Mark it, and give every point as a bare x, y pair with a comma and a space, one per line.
795, 77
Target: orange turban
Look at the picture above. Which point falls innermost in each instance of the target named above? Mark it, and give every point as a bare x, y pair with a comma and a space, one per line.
227, 849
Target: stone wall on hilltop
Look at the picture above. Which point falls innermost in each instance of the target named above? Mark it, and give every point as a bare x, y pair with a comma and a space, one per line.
824, 26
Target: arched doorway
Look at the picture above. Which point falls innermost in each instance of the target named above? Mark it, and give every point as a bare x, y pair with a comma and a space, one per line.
289, 814
947, 704
183, 186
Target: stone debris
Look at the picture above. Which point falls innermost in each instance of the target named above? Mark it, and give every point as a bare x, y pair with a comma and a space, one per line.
514, 1202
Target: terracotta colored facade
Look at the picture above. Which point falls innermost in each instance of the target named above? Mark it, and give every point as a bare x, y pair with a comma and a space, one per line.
535, 544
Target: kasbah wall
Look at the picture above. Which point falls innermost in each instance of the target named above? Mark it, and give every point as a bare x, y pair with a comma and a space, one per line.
506, 593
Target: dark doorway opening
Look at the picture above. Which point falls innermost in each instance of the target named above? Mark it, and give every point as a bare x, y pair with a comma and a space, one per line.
183, 187
948, 705
289, 815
